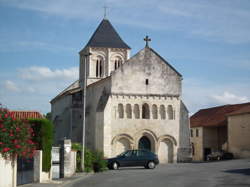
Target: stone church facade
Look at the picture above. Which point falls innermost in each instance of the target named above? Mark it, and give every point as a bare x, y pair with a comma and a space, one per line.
131, 103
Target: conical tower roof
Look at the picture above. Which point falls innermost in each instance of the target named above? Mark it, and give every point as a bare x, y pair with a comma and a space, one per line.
106, 36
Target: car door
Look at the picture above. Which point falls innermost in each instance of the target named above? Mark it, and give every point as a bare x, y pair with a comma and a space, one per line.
142, 158
135, 160
126, 159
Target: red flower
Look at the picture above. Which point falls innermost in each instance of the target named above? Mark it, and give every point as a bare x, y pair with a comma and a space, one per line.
15, 141
1, 143
3, 130
6, 149
30, 142
6, 115
17, 129
17, 146
11, 134
1, 125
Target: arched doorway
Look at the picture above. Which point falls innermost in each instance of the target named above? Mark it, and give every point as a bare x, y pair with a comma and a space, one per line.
122, 145
144, 143
165, 151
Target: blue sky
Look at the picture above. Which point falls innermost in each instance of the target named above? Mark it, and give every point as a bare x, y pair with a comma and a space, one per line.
208, 42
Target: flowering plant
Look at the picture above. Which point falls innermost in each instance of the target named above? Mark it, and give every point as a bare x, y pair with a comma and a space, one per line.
15, 136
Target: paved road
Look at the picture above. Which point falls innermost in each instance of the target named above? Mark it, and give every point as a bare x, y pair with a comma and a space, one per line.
233, 173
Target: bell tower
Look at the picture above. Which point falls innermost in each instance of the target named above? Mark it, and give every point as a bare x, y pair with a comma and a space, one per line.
105, 52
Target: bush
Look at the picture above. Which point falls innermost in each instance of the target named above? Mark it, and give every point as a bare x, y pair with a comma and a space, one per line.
88, 160
15, 136
78, 148
93, 160
99, 164
43, 129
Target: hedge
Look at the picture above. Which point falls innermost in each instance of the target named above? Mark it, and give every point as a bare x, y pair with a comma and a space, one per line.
43, 129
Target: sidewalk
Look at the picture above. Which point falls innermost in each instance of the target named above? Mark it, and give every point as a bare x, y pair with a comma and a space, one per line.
63, 182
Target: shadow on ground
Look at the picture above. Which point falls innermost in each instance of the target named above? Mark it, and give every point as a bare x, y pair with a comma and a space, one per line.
245, 171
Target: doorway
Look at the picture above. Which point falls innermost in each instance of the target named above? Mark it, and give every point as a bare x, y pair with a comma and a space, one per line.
144, 143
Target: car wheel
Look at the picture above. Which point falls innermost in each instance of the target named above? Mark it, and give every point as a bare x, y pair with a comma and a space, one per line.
151, 165
115, 166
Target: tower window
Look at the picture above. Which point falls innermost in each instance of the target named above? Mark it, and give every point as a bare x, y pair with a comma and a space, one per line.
146, 82
99, 67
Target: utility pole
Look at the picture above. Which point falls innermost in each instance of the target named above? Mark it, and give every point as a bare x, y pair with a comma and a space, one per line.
84, 107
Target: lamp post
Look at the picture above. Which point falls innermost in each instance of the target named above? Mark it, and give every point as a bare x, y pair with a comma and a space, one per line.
84, 107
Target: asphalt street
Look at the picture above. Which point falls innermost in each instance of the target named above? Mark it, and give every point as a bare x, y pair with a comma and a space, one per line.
232, 173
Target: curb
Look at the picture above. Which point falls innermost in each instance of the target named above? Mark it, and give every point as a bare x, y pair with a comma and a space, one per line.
80, 177
63, 182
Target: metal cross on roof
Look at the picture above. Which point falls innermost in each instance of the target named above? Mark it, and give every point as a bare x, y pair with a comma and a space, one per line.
147, 39
105, 11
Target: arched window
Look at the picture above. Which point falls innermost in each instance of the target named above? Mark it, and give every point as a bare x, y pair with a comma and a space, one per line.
120, 111
136, 111
170, 112
162, 112
117, 62
128, 111
99, 67
145, 111
154, 112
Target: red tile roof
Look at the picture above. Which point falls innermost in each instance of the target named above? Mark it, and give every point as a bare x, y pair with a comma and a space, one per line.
216, 116
244, 110
26, 114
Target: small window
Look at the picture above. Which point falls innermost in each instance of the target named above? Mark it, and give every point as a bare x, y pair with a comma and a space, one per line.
146, 82
197, 132
191, 132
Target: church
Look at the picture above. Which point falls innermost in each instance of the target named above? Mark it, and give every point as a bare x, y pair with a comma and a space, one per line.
131, 102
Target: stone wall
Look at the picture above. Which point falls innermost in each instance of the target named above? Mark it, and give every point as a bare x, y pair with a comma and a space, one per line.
239, 135
131, 77
197, 143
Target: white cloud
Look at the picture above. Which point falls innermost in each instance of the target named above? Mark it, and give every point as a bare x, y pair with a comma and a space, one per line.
199, 94
37, 73
229, 98
11, 86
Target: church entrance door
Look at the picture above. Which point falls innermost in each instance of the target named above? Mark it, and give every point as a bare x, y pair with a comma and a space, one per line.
144, 143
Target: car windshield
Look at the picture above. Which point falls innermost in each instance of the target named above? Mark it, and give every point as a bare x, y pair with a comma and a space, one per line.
126, 153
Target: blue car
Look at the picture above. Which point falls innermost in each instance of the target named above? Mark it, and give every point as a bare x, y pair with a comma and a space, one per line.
133, 158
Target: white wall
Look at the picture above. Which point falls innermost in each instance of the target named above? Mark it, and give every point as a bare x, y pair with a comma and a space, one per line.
8, 172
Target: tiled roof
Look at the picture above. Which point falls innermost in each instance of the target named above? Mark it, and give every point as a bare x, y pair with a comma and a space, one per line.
106, 36
26, 114
216, 116
244, 110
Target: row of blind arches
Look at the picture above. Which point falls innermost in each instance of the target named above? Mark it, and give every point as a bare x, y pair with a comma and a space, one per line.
145, 112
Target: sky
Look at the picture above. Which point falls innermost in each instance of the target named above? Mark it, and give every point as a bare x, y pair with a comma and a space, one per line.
207, 41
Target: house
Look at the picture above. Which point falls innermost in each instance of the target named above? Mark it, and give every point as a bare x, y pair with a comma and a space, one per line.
131, 102
224, 127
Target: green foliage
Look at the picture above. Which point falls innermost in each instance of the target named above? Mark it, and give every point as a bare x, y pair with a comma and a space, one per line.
15, 136
88, 160
99, 164
43, 129
76, 146
48, 116
94, 161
